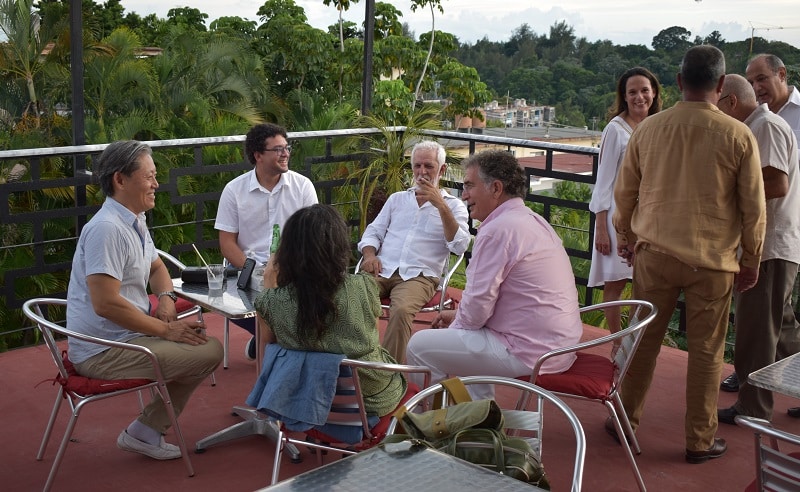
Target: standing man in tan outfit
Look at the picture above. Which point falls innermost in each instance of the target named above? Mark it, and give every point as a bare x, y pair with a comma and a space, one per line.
690, 193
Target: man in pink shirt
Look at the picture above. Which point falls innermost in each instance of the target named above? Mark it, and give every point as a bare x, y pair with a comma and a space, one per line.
520, 300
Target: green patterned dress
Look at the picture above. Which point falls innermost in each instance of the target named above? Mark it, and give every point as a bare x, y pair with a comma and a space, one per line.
354, 333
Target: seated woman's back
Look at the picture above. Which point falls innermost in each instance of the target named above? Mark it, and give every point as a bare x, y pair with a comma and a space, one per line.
351, 329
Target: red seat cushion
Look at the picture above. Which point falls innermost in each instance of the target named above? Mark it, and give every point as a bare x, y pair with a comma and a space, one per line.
590, 376
85, 386
181, 305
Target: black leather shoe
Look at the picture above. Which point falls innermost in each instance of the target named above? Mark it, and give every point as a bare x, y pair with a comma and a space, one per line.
730, 384
727, 415
794, 412
715, 451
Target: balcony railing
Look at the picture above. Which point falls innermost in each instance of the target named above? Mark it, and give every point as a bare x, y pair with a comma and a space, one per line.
47, 195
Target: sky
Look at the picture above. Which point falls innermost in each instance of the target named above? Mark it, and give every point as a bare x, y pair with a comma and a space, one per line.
622, 22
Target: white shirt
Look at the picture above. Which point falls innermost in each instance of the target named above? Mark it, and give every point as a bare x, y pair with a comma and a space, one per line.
250, 210
791, 111
410, 238
777, 147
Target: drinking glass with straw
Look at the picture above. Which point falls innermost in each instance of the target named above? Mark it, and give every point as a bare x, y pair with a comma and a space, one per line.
216, 275
208, 268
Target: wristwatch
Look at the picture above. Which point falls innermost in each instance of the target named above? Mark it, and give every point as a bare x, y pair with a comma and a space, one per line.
170, 294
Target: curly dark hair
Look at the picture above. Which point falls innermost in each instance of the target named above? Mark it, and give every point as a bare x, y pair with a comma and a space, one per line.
255, 140
499, 165
621, 105
312, 259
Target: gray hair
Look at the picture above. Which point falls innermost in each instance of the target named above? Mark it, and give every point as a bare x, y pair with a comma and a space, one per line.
121, 156
773, 62
430, 145
499, 165
702, 67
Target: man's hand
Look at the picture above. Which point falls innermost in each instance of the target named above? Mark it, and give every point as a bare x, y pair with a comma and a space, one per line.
746, 278
427, 192
188, 332
166, 309
627, 253
443, 319
372, 265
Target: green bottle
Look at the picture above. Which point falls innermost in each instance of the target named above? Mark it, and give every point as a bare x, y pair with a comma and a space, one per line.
276, 239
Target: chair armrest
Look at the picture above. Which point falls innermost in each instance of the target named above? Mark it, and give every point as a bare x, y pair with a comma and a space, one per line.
761, 426
382, 366
171, 259
610, 338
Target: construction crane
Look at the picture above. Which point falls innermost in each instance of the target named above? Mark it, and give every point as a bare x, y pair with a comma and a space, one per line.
753, 30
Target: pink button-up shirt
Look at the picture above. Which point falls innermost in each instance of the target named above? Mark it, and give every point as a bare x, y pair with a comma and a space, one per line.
520, 286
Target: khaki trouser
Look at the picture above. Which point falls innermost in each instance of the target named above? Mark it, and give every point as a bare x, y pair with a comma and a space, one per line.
184, 366
407, 298
766, 331
660, 278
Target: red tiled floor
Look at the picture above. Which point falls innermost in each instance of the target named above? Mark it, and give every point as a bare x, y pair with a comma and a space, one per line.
94, 462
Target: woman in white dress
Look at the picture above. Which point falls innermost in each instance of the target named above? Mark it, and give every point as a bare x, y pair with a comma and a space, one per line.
638, 96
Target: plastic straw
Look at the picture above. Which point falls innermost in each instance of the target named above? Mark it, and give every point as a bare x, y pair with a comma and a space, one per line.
203, 260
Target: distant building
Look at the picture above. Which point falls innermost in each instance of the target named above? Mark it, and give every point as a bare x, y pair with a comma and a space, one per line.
519, 114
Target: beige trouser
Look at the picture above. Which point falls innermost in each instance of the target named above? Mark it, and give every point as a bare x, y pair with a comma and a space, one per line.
407, 298
184, 366
660, 279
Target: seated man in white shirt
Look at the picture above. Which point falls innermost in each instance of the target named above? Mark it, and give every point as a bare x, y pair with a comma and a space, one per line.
407, 244
251, 204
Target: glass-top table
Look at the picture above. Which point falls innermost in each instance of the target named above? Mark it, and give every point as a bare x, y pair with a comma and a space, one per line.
782, 376
401, 467
234, 303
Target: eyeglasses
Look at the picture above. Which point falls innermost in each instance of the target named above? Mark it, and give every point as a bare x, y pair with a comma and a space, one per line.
280, 150
723, 97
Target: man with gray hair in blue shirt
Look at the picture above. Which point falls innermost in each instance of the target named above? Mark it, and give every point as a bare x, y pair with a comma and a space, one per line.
114, 262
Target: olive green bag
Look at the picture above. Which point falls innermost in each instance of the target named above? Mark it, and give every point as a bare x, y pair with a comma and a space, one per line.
471, 431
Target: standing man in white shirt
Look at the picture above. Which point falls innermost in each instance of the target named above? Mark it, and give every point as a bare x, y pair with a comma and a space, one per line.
767, 74
407, 244
766, 328
254, 202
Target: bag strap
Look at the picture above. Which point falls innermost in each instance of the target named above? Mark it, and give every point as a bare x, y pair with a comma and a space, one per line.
456, 391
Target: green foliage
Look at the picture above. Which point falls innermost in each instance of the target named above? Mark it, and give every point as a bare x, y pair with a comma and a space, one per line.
578, 76
388, 169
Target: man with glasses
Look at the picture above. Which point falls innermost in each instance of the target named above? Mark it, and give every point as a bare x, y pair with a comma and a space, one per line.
766, 328
767, 74
253, 203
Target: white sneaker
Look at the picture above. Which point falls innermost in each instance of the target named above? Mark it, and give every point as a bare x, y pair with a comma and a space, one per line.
164, 451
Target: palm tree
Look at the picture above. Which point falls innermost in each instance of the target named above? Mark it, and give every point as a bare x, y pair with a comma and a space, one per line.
415, 4
25, 53
341, 6
388, 169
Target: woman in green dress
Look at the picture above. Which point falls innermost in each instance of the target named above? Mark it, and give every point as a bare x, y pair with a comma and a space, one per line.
311, 303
